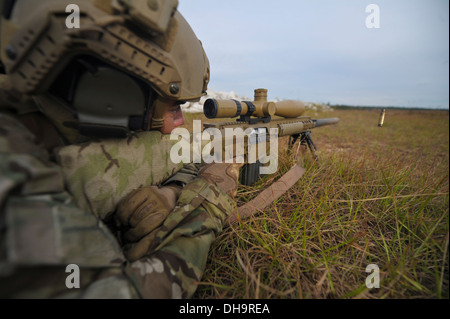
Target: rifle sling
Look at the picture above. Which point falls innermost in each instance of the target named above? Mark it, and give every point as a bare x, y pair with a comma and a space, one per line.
268, 196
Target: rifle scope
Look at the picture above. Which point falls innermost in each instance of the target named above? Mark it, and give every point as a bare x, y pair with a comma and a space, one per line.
260, 107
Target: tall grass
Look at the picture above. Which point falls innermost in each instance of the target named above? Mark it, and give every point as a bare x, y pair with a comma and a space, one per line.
376, 196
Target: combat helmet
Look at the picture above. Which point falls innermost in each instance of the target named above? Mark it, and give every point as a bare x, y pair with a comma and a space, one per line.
107, 63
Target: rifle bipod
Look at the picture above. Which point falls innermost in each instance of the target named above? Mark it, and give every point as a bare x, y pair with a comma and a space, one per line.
306, 140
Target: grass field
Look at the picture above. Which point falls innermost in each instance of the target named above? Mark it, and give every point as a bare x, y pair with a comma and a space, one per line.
378, 196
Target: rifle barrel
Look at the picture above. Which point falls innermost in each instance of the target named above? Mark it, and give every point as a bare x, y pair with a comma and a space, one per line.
328, 121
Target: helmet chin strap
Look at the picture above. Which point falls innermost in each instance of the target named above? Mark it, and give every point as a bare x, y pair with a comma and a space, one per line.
158, 113
148, 107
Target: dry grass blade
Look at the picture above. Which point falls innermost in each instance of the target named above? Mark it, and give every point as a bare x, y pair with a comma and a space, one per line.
377, 196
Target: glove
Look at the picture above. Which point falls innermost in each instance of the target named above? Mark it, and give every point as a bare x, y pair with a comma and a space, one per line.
224, 176
139, 215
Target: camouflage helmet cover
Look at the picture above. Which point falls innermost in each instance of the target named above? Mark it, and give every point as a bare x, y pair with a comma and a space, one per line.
148, 39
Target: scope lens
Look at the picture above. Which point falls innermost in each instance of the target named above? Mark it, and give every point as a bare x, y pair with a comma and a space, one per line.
210, 108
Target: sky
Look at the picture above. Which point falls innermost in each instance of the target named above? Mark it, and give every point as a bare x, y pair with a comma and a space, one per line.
323, 50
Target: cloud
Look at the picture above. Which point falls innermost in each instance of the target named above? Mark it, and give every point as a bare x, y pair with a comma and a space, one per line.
322, 50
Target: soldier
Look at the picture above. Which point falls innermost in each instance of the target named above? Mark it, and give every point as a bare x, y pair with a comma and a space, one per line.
86, 177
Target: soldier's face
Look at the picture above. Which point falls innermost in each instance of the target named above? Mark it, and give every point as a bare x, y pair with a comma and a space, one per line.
173, 117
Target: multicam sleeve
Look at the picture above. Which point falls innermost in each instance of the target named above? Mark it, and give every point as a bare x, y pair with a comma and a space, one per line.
101, 172
177, 262
183, 241
42, 230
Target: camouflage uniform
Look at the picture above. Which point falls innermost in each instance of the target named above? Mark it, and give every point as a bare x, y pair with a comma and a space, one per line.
55, 207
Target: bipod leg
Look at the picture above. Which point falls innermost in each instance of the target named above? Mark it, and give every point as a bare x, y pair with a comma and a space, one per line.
292, 140
307, 140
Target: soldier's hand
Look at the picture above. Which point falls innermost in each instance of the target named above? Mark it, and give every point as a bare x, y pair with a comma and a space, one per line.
140, 213
223, 175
